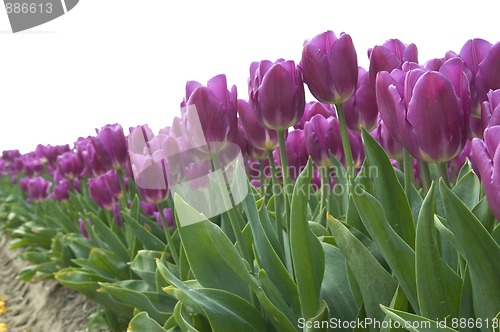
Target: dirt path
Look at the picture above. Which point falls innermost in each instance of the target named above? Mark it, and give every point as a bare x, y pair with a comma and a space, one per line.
38, 307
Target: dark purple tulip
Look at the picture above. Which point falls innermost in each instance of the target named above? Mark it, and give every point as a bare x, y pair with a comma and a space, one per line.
425, 110
312, 108
62, 190
168, 214
321, 136
389, 56
490, 110
38, 189
83, 227
488, 75
361, 110
23, 183
10, 155
69, 165
100, 193
257, 135
330, 67
487, 158
392, 146
357, 148
117, 215
33, 167
148, 208
215, 111
110, 146
296, 152
277, 93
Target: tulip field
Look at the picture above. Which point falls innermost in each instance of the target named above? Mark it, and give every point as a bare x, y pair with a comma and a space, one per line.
373, 207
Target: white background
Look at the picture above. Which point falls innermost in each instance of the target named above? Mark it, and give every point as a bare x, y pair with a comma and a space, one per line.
127, 62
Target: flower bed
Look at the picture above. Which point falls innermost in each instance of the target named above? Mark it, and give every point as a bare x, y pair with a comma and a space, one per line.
378, 211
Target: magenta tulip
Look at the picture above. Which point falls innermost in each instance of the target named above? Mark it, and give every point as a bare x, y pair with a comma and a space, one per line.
257, 135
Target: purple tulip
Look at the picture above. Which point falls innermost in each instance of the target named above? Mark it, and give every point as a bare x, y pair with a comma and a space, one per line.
62, 190
426, 110
490, 110
392, 146
148, 208
110, 147
100, 193
33, 167
168, 214
257, 135
38, 189
296, 151
361, 110
487, 157
330, 67
312, 108
389, 56
321, 136
83, 227
69, 164
117, 215
49, 153
277, 93
215, 111
10, 155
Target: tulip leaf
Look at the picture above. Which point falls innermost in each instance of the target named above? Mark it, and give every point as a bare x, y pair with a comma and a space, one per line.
415, 323
144, 265
480, 251
224, 310
468, 189
137, 294
111, 239
335, 287
376, 287
397, 253
439, 290
267, 258
307, 254
142, 322
148, 239
214, 260
389, 191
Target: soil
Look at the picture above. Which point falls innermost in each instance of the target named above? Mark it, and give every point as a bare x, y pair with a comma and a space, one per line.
38, 307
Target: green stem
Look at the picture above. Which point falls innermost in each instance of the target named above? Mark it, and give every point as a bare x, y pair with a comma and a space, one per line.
443, 170
233, 219
408, 165
425, 175
262, 179
170, 242
277, 200
345, 142
325, 191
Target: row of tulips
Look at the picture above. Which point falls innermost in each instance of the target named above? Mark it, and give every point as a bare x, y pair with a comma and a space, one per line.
370, 209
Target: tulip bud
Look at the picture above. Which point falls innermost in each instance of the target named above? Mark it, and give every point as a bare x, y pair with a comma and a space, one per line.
321, 137
330, 67
490, 110
257, 135
110, 146
38, 189
312, 108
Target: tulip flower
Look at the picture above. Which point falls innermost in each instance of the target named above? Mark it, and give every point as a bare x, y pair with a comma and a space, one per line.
99, 191
330, 67
312, 108
61, 190
168, 217
38, 189
426, 110
297, 153
110, 147
83, 227
277, 93
487, 158
321, 137
214, 118
490, 110
69, 164
361, 110
257, 135
389, 56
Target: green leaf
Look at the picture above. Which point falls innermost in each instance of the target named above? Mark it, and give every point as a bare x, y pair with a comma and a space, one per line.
388, 191
144, 265
468, 189
136, 294
266, 256
377, 286
438, 286
335, 288
142, 322
225, 311
214, 260
307, 254
148, 239
397, 253
415, 323
480, 251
